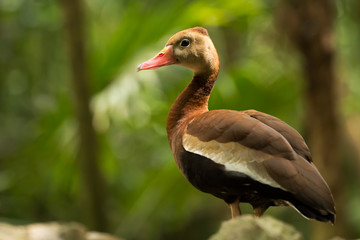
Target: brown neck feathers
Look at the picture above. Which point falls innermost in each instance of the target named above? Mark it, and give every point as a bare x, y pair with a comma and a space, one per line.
192, 101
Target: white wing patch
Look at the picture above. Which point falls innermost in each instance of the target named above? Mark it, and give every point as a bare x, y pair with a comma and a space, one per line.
234, 156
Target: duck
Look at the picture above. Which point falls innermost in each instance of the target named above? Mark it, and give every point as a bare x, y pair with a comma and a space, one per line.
237, 156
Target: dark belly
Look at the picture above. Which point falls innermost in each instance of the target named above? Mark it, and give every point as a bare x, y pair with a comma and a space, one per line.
210, 177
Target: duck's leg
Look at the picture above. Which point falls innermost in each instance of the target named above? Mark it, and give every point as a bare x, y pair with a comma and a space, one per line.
235, 209
260, 209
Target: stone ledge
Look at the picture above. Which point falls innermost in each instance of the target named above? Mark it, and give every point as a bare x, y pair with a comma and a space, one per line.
51, 231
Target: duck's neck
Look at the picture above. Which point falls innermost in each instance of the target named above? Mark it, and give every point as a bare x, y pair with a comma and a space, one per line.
192, 101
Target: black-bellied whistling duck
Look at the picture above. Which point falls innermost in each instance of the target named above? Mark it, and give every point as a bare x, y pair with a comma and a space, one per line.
238, 156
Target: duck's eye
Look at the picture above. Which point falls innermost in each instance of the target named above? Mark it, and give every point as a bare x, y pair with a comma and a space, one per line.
185, 42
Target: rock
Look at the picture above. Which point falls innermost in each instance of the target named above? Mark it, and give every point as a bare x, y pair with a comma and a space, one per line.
100, 236
8, 231
56, 231
248, 227
50, 231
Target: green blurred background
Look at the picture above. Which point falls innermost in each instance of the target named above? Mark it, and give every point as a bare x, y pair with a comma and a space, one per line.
143, 195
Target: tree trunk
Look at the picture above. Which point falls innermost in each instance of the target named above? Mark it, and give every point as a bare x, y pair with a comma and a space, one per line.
309, 25
93, 195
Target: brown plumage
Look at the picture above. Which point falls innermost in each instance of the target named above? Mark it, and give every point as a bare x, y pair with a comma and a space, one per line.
238, 156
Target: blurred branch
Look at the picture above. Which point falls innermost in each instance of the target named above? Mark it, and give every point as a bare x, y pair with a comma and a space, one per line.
92, 180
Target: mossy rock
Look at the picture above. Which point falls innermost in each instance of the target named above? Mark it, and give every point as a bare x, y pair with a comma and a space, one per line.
248, 227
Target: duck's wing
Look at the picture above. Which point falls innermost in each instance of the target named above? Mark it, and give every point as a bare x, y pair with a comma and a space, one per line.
296, 141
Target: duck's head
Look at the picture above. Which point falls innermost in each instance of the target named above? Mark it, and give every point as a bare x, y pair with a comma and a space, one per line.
191, 48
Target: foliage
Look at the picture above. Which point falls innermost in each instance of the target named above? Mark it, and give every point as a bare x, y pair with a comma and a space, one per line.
147, 196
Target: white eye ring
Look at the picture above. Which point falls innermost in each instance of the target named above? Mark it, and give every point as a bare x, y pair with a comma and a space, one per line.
185, 42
